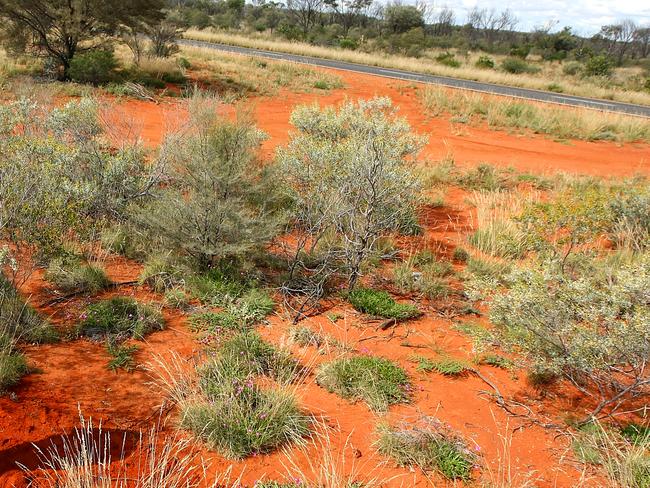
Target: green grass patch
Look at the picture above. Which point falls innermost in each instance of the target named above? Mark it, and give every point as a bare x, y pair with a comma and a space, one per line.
429, 446
73, 275
120, 317
377, 381
12, 363
122, 355
380, 304
448, 366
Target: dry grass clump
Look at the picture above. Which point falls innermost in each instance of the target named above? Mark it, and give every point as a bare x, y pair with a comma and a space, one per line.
84, 459
561, 122
469, 71
241, 75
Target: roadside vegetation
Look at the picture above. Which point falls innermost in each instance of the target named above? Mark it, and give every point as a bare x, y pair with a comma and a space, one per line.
555, 121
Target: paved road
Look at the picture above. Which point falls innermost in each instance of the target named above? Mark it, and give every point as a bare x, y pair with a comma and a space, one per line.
605, 105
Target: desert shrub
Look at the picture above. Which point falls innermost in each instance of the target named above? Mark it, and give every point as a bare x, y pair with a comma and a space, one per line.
582, 326
429, 445
120, 317
217, 205
94, 67
448, 59
239, 418
572, 68
637, 433
348, 173
18, 320
304, 336
177, 298
162, 273
461, 255
484, 177
254, 356
219, 286
377, 381
496, 360
12, 362
600, 65
380, 304
517, 66
347, 43
122, 239
71, 274
485, 62
122, 355
630, 227
448, 366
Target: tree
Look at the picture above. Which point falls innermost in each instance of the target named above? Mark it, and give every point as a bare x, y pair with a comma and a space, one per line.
163, 38
218, 203
401, 18
305, 13
619, 37
59, 29
350, 181
491, 22
444, 21
642, 41
348, 12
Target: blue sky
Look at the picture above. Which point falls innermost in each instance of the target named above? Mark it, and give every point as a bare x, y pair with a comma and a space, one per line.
586, 16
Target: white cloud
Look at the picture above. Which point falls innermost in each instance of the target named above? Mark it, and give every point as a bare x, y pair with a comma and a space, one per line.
585, 16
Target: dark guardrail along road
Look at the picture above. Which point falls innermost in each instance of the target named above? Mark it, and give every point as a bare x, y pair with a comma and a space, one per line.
509, 91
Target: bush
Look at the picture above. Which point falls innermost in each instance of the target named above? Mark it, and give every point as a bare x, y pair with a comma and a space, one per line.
18, 320
600, 65
71, 274
450, 367
161, 273
347, 43
428, 445
238, 418
517, 66
94, 67
485, 62
380, 304
461, 255
572, 69
12, 363
120, 317
219, 204
377, 381
583, 326
448, 59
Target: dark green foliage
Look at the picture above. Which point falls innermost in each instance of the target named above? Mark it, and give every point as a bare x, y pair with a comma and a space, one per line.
380, 304
461, 255
122, 355
517, 66
428, 445
450, 367
448, 59
485, 62
257, 357
94, 67
72, 274
12, 363
600, 65
377, 381
637, 433
120, 317
19, 320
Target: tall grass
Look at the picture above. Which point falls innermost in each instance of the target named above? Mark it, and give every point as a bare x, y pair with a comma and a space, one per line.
497, 234
560, 122
468, 71
84, 459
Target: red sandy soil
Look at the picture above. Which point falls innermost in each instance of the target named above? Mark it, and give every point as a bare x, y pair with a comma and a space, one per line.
73, 376
469, 145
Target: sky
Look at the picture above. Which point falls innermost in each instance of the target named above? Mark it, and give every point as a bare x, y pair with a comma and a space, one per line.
585, 16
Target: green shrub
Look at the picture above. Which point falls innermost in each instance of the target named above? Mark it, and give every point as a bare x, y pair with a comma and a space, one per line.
450, 367
257, 357
428, 445
12, 363
122, 355
380, 304
120, 317
71, 274
583, 326
238, 418
496, 360
177, 298
347, 43
448, 59
124, 240
304, 336
219, 286
94, 67
517, 66
18, 320
377, 381
572, 68
600, 65
637, 434
161, 273
461, 255
485, 62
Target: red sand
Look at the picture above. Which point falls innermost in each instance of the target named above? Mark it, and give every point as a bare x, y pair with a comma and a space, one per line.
73, 376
